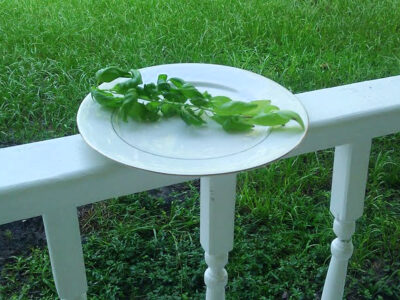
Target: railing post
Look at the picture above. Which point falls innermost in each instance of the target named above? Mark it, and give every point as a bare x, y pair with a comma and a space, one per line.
350, 172
217, 212
65, 249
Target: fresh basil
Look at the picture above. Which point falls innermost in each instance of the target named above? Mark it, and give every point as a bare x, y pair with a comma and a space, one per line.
170, 97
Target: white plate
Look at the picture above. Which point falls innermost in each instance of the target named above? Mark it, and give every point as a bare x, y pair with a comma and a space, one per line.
169, 146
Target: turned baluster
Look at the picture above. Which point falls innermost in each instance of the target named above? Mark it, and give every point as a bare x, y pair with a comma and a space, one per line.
347, 202
217, 212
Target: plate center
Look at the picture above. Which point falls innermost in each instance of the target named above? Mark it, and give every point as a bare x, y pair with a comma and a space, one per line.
172, 138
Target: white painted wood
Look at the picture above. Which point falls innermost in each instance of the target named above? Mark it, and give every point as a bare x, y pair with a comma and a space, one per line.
350, 172
80, 176
34, 173
340, 115
217, 213
65, 249
349, 179
43, 177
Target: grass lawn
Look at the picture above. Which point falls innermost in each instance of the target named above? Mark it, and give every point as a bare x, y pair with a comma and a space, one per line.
143, 247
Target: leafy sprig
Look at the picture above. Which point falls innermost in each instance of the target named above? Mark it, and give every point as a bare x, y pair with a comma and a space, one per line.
170, 97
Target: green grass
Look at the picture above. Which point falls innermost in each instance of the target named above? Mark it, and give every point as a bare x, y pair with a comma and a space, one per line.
140, 247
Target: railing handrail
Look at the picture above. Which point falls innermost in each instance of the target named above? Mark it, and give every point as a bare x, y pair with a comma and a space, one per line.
51, 178
342, 113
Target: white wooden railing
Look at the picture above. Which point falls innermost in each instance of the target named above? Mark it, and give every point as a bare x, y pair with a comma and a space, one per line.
51, 178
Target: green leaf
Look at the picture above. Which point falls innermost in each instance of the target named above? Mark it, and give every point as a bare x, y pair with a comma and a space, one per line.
162, 78
269, 119
207, 95
236, 124
109, 74
152, 109
219, 119
126, 106
280, 117
131, 94
189, 91
128, 101
292, 115
217, 101
177, 82
138, 112
123, 87
190, 118
148, 92
262, 106
174, 95
234, 108
153, 106
106, 99
169, 110
199, 102
135, 74
162, 84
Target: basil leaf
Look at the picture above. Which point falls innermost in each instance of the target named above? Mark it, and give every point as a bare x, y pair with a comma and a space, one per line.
148, 92
128, 101
177, 82
292, 115
219, 100
174, 95
169, 97
269, 119
135, 74
262, 106
152, 111
126, 106
169, 110
190, 118
106, 99
162, 84
151, 90
219, 119
132, 94
153, 106
138, 111
199, 102
123, 87
162, 78
234, 108
109, 74
189, 91
236, 124
207, 95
